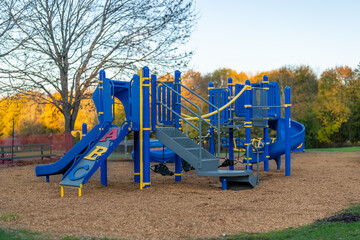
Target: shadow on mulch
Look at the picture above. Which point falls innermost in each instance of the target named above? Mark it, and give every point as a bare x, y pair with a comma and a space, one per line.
342, 217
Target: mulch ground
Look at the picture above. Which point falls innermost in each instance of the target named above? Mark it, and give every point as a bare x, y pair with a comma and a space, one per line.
321, 185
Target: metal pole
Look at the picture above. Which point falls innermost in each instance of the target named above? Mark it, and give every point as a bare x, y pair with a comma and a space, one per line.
103, 166
265, 84
231, 132
153, 102
12, 141
248, 124
125, 146
211, 108
177, 122
146, 127
287, 132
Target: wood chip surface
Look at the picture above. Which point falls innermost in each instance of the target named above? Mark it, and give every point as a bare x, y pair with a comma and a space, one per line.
321, 184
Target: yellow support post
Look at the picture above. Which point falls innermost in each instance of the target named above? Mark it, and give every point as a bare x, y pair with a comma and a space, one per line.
141, 130
61, 191
80, 190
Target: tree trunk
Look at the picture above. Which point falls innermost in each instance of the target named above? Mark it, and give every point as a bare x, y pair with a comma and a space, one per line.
69, 126
75, 111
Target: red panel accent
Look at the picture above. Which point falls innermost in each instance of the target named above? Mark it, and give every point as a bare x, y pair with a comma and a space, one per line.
112, 135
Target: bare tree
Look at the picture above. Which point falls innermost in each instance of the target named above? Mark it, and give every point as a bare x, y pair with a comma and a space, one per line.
7, 25
69, 41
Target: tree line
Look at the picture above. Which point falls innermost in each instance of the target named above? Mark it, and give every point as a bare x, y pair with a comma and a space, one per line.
31, 117
327, 105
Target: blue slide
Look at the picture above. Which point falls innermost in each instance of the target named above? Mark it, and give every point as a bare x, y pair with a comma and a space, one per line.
297, 135
88, 162
64, 163
81, 162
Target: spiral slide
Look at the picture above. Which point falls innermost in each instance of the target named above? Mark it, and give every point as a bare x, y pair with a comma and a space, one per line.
297, 135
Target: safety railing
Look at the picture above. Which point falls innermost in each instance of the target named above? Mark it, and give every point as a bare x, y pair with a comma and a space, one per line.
257, 161
217, 109
198, 116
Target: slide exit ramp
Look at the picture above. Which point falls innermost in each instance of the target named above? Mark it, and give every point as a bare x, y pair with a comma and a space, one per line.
87, 164
64, 163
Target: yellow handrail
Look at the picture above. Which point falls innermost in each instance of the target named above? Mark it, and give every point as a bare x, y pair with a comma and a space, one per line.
189, 118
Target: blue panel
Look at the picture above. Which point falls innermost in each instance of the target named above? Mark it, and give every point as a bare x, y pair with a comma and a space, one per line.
274, 100
240, 102
219, 97
135, 103
121, 90
108, 100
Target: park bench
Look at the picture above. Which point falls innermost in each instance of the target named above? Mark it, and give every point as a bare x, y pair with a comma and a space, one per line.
25, 151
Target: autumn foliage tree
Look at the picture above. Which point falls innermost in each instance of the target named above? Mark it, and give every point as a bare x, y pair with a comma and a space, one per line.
331, 109
31, 117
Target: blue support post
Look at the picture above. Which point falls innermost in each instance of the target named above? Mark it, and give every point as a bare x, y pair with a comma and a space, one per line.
101, 96
211, 141
248, 123
136, 127
164, 110
265, 85
136, 157
47, 178
153, 103
177, 122
223, 183
84, 129
212, 132
287, 132
231, 115
279, 137
168, 104
103, 166
146, 128
103, 173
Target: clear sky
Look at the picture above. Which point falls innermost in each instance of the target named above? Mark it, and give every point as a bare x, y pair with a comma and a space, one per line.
261, 35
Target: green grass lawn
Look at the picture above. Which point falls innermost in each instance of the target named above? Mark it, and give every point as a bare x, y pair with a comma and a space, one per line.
314, 231
343, 149
21, 234
317, 230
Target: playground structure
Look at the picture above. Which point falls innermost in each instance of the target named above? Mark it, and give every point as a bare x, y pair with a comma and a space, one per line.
248, 106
